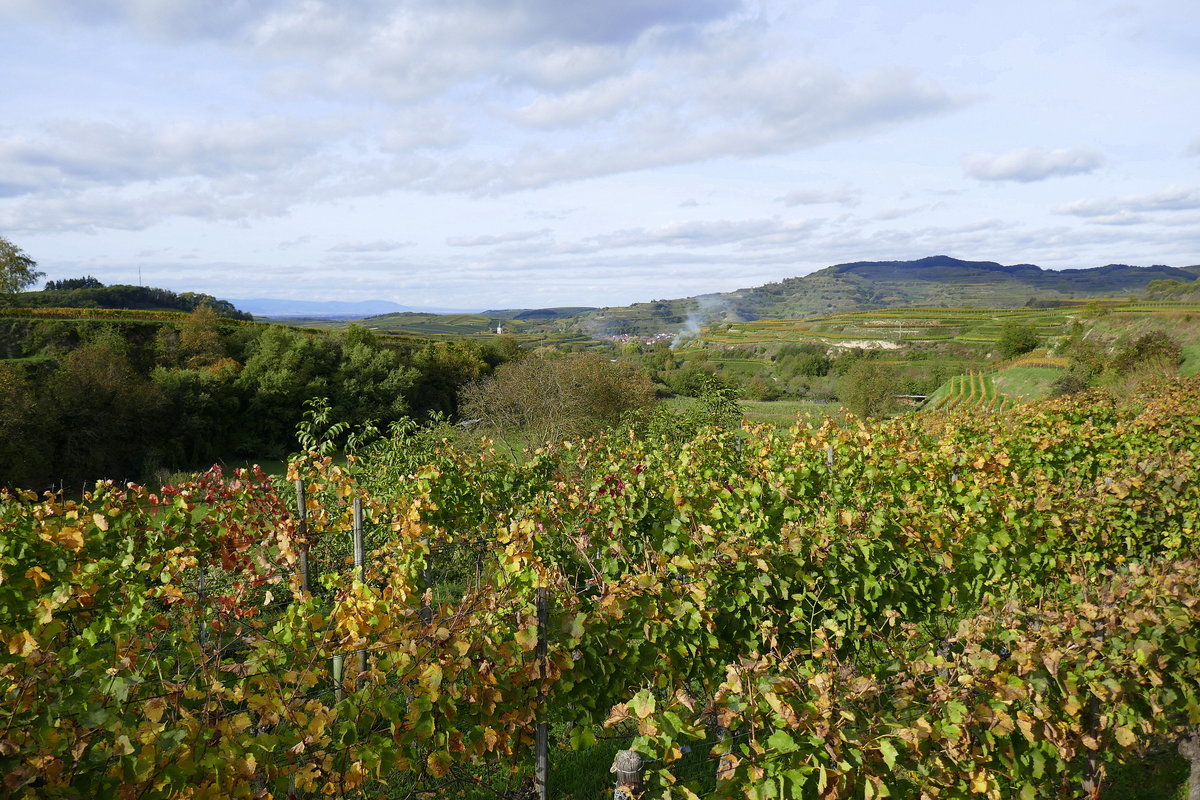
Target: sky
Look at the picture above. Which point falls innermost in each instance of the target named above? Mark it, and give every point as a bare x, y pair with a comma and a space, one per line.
534, 153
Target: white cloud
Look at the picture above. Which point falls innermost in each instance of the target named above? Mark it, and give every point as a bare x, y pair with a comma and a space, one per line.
1194, 148
1173, 199
1032, 164
843, 196
710, 233
69, 154
382, 246
599, 100
494, 239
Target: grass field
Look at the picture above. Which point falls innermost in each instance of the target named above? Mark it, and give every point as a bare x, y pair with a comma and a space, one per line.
1026, 383
771, 412
1191, 360
785, 412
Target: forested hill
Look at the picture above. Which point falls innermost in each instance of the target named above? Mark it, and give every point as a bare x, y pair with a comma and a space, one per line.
865, 285
90, 293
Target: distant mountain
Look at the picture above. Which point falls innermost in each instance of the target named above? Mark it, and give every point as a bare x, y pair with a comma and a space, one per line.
864, 285
332, 309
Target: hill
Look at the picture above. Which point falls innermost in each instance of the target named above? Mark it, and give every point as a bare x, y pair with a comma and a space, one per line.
130, 298
866, 285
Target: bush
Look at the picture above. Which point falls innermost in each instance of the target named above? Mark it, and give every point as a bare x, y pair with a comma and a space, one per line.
1016, 339
1069, 383
868, 388
1154, 351
560, 398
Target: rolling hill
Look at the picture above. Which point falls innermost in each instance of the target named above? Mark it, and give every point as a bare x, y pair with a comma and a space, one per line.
867, 285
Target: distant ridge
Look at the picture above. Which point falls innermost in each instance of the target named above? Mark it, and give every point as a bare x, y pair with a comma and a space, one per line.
863, 285
333, 309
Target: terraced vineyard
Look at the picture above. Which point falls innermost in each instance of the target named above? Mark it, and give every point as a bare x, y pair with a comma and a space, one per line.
973, 391
900, 326
893, 328
530, 331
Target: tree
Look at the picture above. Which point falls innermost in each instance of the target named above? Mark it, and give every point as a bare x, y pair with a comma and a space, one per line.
23, 457
199, 339
558, 398
86, 282
16, 269
1017, 338
868, 388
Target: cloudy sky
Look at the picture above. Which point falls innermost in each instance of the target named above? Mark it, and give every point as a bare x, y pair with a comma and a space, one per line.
521, 153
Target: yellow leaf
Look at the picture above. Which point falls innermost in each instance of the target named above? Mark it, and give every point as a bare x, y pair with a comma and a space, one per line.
1125, 737
101, 521
439, 764
22, 644
979, 782
527, 638
38, 575
69, 537
154, 709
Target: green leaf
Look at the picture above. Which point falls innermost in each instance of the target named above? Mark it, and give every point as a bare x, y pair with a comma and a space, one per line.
582, 737
781, 742
888, 751
424, 727
642, 704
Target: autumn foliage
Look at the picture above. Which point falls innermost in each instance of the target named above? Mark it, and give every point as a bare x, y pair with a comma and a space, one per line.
995, 605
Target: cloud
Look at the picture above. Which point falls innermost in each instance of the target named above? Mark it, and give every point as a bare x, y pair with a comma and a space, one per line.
710, 233
613, 21
844, 196
1194, 148
68, 154
440, 97
737, 112
503, 238
413, 50
369, 247
599, 100
1173, 199
1032, 164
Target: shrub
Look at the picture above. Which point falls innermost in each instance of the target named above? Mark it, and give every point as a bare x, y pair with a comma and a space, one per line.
1016, 339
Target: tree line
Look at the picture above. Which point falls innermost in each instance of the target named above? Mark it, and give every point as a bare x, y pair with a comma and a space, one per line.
129, 399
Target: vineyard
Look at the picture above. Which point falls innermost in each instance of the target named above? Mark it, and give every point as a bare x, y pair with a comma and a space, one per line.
938, 606
975, 326
974, 391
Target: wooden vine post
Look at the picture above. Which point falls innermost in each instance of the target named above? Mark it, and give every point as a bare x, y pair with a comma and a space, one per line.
201, 596
542, 735
427, 582
1189, 748
628, 768
302, 518
360, 565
